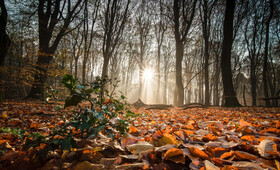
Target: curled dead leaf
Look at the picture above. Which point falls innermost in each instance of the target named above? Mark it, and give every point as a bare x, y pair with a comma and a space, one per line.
175, 155
198, 153
210, 166
140, 147
266, 147
167, 139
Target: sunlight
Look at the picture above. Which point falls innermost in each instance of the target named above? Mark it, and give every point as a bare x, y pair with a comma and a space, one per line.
148, 74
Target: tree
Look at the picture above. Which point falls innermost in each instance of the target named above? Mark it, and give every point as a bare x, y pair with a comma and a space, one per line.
265, 59
229, 93
160, 29
114, 19
143, 28
50, 12
183, 14
254, 38
4, 38
87, 32
205, 15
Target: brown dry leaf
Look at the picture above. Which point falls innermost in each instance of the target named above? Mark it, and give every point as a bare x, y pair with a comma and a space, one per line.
140, 147
175, 155
227, 155
277, 124
246, 165
271, 130
85, 165
244, 155
266, 147
167, 139
209, 137
228, 167
3, 141
244, 123
210, 166
188, 127
249, 138
131, 166
198, 153
277, 163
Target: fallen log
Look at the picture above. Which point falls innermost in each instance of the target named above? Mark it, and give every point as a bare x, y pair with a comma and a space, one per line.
139, 103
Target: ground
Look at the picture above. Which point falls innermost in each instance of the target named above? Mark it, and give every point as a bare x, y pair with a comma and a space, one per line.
194, 138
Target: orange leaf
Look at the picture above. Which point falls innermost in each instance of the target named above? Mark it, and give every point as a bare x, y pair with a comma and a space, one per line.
187, 132
228, 167
249, 138
175, 155
198, 153
209, 137
3, 141
133, 130
227, 155
167, 139
244, 156
190, 127
244, 123
34, 125
278, 124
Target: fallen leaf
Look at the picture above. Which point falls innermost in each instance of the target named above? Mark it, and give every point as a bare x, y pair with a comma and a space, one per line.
246, 165
267, 146
140, 147
167, 139
249, 138
210, 166
175, 155
198, 153
85, 165
244, 123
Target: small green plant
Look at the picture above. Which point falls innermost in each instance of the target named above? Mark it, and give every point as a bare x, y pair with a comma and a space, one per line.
104, 114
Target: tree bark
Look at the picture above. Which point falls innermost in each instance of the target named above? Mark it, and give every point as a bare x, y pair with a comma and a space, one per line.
229, 93
179, 82
4, 38
265, 67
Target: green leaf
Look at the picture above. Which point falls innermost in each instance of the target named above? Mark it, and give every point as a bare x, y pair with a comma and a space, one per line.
73, 100
69, 82
67, 143
94, 131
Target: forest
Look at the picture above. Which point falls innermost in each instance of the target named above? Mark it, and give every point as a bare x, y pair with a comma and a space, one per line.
139, 84
162, 52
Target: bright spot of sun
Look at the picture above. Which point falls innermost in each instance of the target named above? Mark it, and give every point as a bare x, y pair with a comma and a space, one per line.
147, 74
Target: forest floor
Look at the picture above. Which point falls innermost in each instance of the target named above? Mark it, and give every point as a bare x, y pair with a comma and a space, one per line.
194, 138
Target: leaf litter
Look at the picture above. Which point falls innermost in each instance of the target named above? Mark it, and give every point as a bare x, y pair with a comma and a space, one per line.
195, 138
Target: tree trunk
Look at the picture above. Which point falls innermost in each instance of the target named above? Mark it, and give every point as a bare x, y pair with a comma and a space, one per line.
229, 93
265, 67
105, 65
179, 83
76, 67
216, 83
244, 95
4, 38
206, 73
253, 80
165, 88
40, 77
158, 75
